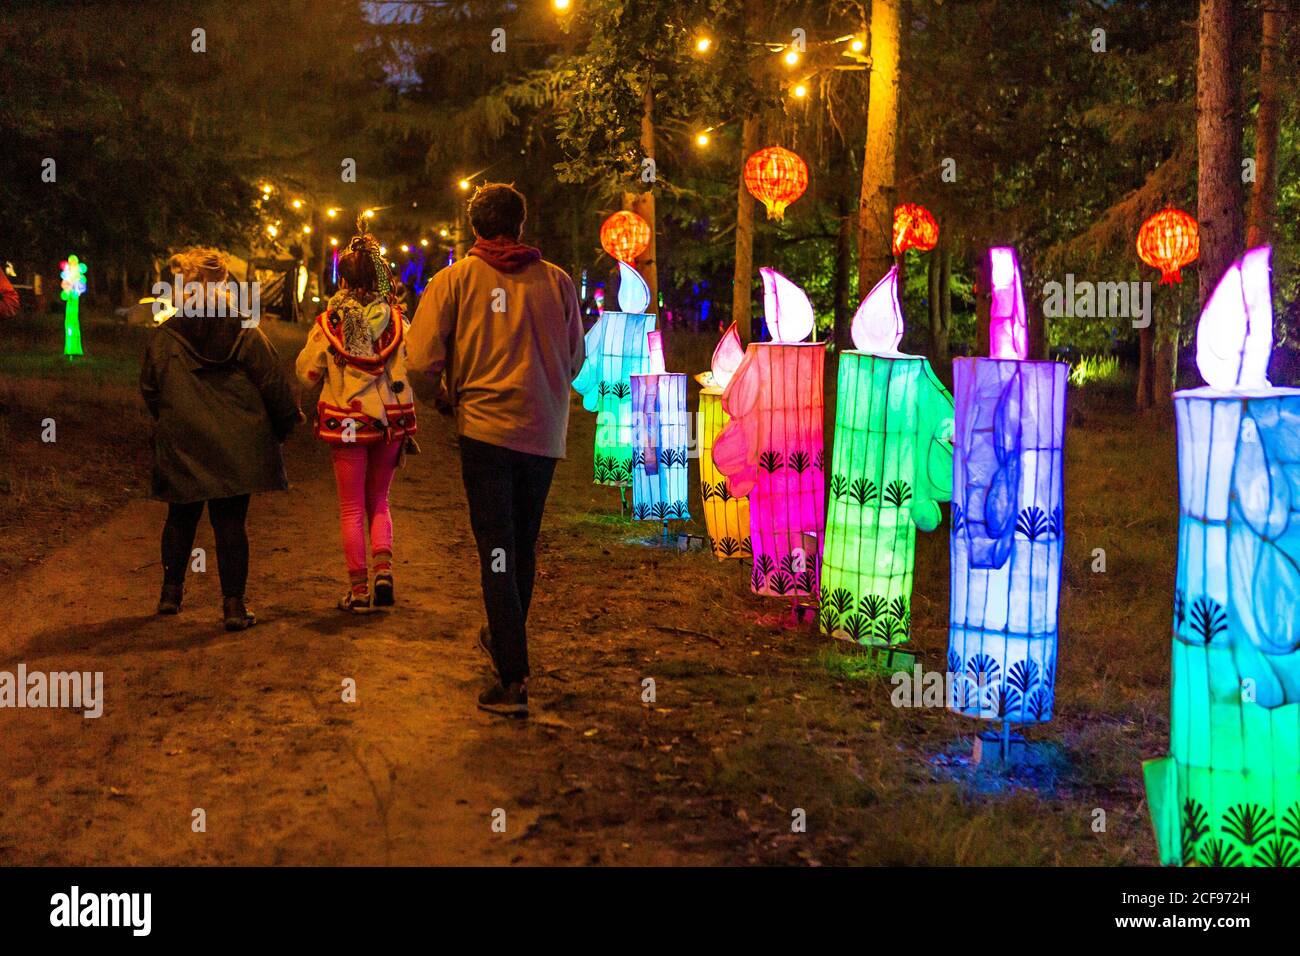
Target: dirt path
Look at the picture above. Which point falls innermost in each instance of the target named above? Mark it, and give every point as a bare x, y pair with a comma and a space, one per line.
252, 727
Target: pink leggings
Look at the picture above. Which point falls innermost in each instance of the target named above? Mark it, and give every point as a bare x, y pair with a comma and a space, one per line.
363, 474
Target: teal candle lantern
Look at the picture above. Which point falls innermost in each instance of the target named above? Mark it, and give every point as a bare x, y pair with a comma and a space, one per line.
617, 349
1228, 793
892, 463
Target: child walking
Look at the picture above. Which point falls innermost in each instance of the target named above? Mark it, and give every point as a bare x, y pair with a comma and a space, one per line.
366, 412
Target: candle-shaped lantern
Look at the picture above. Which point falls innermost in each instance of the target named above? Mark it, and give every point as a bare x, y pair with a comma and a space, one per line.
725, 515
892, 463
73, 276
1007, 527
617, 348
771, 449
659, 440
1228, 793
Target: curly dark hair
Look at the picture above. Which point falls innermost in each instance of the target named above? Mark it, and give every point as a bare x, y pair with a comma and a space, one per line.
357, 266
498, 209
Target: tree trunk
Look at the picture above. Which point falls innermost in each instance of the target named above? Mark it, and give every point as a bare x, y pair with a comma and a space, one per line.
876, 201
643, 204
843, 332
940, 276
1263, 200
1146, 367
743, 277
1218, 144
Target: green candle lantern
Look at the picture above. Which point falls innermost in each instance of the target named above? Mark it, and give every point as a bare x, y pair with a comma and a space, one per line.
892, 463
73, 276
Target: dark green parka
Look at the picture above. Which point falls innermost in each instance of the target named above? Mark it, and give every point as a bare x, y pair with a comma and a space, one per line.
221, 405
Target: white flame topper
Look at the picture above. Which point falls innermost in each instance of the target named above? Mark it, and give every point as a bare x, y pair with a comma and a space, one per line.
633, 293
878, 323
788, 311
1234, 338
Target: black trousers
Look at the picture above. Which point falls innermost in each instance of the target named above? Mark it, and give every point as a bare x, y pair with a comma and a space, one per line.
227, 516
507, 493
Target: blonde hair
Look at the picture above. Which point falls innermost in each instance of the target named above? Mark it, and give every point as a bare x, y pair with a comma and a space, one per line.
200, 264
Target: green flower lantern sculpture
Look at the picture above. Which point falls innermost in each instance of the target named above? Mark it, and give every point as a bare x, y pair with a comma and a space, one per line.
725, 515
1228, 793
892, 464
616, 350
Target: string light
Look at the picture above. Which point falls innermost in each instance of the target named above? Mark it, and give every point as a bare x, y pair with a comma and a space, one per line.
383, 250
857, 46
334, 242
369, 214
331, 212
561, 5
800, 91
297, 204
464, 184
702, 45
702, 139
272, 231
405, 247
306, 230
442, 233
424, 242
792, 58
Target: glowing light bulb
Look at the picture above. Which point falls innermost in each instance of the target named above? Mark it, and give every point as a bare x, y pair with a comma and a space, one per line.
405, 247
702, 45
443, 233
331, 212
424, 242
561, 5
857, 46
464, 184
702, 139
272, 231
800, 91
306, 230
369, 214
383, 250
791, 58
334, 242
297, 204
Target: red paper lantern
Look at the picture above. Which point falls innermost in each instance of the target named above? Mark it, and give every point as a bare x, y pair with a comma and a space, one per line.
776, 176
1169, 240
625, 235
914, 228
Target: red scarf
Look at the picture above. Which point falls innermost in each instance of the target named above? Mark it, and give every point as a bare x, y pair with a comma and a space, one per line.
507, 255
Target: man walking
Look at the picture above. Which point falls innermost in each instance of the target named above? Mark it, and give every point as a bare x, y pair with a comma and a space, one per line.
502, 328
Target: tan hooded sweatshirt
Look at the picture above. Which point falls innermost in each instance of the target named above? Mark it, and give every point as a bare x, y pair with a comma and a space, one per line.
507, 344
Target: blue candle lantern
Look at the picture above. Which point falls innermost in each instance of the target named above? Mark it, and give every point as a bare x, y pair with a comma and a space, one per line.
616, 350
1228, 793
1007, 529
659, 455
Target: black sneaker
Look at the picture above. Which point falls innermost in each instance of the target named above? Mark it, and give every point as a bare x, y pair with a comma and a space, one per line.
169, 602
509, 701
485, 645
384, 589
238, 617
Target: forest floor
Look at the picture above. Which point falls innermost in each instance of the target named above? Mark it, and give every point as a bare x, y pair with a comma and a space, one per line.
752, 721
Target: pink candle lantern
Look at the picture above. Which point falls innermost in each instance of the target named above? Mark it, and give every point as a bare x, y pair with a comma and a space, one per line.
772, 449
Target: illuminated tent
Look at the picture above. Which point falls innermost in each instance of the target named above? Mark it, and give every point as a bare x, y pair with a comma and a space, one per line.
772, 449
725, 516
892, 462
616, 350
1228, 793
1007, 528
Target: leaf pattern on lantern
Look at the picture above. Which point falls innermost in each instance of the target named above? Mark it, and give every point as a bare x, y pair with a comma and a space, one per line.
898, 493
1291, 822
621, 390
864, 491
726, 546
1056, 524
640, 511
958, 518
1032, 523
839, 487
806, 580
798, 462
1278, 852
1208, 619
603, 388
1248, 823
984, 668
858, 627
1195, 825
901, 609
1039, 704
840, 600
781, 583
826, 619
890, 630
1220, 853
638, 459
793, 563
954, 663
819, 460
770, 461
1180, 610
873, 606
1023, 675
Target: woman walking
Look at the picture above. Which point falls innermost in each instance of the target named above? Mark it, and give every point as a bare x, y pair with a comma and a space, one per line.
366, 413
221, 405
